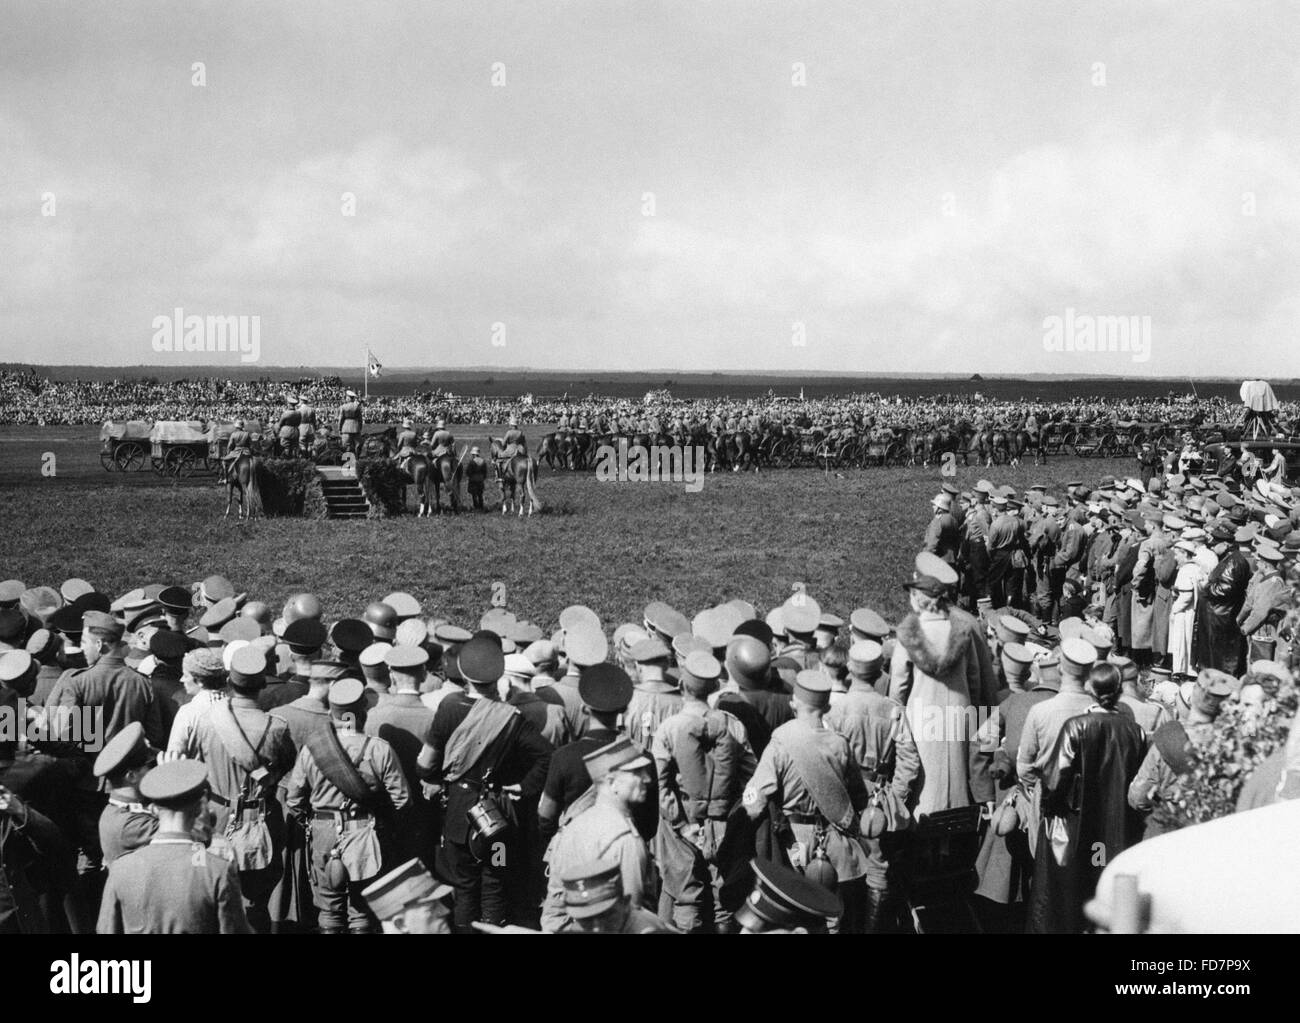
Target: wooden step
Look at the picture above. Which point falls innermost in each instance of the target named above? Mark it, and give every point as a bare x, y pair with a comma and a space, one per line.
344, 498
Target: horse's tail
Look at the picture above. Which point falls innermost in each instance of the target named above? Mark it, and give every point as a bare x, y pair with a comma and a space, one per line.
254, 487
530, 477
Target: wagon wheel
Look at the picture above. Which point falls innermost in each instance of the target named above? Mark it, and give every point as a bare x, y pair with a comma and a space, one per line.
181, 462
784, 454
1068, 441
108, 461
1109, 446
130, 457
897, 453
824, 454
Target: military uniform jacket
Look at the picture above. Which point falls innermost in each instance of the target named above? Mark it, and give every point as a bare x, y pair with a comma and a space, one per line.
124, 826
759, 710
172, 886
942, 537
564, 691
873, 724
523, 761
122, 694
778, 780
350, 417
402, 721
268, 735
600, 833
648, 707
670, 734
567, 778
309, 788
547, 717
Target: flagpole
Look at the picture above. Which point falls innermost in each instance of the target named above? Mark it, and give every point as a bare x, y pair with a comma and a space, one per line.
365, 373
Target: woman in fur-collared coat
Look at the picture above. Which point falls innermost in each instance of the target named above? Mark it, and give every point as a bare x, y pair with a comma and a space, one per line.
943, 678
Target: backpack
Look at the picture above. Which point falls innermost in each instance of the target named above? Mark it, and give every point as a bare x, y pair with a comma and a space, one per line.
248, 838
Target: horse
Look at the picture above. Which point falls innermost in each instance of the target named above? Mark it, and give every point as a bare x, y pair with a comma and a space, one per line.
417, 468
548, 448
1023, 440
446, 472
998, 453
241, 475
739, 450
517, 476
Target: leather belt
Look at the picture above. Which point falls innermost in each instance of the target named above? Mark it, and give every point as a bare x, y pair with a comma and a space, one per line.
335, 815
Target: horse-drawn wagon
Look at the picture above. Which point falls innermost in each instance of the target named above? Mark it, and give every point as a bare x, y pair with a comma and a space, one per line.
180, 449
124, 446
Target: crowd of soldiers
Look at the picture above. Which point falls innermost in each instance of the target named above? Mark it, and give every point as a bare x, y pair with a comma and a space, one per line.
1159, 599
1064, 658
28, 398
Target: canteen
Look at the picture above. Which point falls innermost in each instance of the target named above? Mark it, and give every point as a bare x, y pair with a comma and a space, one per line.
1006, 819
822, 871
874, 821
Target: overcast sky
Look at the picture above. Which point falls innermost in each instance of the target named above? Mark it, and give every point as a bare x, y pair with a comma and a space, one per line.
950, 175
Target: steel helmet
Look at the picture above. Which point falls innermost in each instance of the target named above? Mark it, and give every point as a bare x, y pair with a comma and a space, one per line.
382, 620
258, 611
302, 605
748, 659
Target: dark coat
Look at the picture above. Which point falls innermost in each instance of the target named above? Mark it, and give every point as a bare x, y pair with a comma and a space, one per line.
1085, 795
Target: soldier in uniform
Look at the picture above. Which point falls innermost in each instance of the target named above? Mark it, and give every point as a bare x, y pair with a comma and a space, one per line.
409, 901
881, 741
1167, 758
654, 695
704, 760
809, 774
407, 444
126, 823
306, 426
347, 782
606, 830
287, 428
239, 443
485, 755
442, 441
402, 721
942, 536
513, 442
173, 885
605, 690
247, 752
584, 646
350, 420
595, 903
108, 686
476, 473
759, 707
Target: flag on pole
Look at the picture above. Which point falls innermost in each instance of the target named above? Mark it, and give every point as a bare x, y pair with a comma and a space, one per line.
373, 365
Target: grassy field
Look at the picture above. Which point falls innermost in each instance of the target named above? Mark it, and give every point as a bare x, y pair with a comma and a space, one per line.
613, 546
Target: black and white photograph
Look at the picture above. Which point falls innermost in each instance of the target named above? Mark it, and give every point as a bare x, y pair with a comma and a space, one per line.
685, 467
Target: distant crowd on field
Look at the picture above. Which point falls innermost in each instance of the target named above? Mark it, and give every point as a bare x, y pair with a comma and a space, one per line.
27, 398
